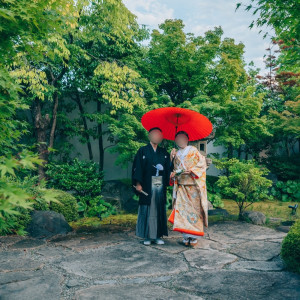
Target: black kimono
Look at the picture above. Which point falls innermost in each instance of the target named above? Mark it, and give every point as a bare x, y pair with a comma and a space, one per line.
152, 218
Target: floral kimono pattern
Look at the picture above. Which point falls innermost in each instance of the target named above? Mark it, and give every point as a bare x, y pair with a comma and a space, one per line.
190, 205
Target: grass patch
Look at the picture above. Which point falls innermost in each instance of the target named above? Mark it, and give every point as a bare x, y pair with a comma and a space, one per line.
89, 223
272, 209
126, 220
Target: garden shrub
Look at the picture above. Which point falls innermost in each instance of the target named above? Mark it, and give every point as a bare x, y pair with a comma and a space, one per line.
290, 248
84, 181
100, 208
286, 191
215, 200
15, 223
284, 167
67, 206
245, 182
211, 183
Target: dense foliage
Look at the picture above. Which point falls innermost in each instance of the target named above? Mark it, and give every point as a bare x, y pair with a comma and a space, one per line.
84, 181
83, 70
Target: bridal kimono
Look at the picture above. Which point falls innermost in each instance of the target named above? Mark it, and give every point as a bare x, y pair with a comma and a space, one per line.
190, 205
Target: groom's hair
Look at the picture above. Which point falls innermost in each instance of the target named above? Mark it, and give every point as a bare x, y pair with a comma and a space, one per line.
155, 128
182, 132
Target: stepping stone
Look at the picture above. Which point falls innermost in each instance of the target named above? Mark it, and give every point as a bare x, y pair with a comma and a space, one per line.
83, 241
139, 292
257, 250
10, 239
257, 265
236, 232
12, 261
210, 244
125, 260
37, 285
28, 243
50, 253
171, 246
207, 259
237, 284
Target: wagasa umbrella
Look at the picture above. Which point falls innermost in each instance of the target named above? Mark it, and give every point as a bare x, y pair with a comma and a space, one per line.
173, 119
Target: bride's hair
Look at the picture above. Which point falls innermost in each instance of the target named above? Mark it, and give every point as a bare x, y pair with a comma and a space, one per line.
182, 132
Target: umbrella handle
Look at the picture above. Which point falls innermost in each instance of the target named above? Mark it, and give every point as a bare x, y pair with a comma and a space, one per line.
175, 146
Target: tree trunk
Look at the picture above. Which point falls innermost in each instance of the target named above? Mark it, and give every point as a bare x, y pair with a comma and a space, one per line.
41, 125
100, 141
230, 151
240, 152
241, 211
85, 134
54, 119
287, 147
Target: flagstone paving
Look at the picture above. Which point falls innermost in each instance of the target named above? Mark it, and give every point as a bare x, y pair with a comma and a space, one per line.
234, 260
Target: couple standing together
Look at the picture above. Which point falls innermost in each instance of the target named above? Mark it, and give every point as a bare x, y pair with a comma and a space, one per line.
153, 170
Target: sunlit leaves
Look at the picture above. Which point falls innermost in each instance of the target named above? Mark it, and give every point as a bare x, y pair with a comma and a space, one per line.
117, 85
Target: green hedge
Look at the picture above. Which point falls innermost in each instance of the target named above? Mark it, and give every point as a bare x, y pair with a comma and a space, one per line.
290, 250
67, 206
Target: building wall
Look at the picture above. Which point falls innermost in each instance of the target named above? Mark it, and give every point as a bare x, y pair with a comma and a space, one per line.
111, 171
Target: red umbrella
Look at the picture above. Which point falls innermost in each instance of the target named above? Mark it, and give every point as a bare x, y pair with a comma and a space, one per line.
173, 119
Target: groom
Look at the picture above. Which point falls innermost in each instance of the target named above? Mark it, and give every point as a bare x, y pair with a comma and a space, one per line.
150, 177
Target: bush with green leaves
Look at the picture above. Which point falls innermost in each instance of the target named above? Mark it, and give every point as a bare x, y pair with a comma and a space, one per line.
84, 181
18, 196
213, 191
290, 248
286, 191
67, 206
211, 185
98, 207
284, 167
215, 200
245, 183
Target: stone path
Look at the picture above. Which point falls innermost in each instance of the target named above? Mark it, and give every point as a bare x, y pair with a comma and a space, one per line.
234, 260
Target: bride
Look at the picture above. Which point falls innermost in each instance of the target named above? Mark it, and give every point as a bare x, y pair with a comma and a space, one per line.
190, 205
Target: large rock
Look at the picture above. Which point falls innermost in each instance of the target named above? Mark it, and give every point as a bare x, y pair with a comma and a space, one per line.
45, 224
119, 194
256, 217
